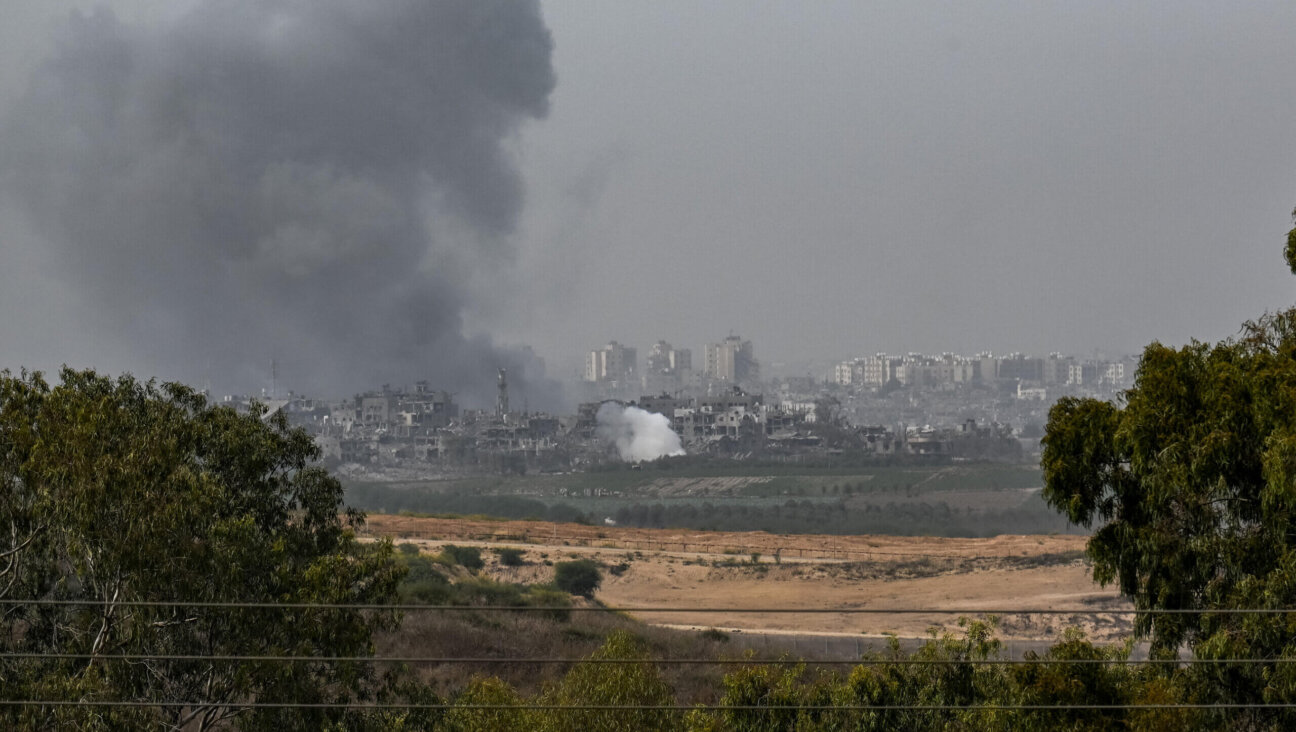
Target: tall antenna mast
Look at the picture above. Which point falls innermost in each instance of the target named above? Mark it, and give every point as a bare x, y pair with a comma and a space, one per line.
501, 401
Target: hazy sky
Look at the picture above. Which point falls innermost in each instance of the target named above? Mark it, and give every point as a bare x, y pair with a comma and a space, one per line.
828, 179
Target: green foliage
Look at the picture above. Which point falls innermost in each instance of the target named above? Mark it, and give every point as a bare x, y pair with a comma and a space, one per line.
117, 492
1289, 252
579, 577
468, 557
424, 582
489, 692
949, 670
768, 686
1190, 486
510, 556
1189, 483
1074, 680
967, 499
622, 684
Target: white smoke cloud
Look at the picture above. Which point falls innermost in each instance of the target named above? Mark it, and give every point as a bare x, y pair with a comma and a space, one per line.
638, 434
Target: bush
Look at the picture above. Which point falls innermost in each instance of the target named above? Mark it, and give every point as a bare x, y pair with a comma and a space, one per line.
426, 591
421, 569
486, 591
546, 597
510, 557
579, 577
712, 634
468, 557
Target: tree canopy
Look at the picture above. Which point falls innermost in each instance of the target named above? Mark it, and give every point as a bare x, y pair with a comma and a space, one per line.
579, 577
115, 494
1190, 485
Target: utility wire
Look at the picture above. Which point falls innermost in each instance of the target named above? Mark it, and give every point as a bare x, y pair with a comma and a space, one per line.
236, 658
362, 706
708, 610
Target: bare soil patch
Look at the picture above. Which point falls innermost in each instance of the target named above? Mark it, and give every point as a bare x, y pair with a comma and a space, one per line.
825, 575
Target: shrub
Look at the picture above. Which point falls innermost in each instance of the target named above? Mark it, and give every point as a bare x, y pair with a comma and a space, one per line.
545, 597
420, 569
426, 591
712, 634
579, 577
510, 556
468, 557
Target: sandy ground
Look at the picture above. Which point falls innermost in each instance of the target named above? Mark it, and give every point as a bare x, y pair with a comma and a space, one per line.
833, 578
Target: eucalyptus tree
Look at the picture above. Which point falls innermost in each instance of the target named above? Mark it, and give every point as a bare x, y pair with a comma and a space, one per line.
1190, 486
130, 514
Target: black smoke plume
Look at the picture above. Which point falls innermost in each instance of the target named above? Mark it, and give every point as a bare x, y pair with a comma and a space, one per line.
313, 181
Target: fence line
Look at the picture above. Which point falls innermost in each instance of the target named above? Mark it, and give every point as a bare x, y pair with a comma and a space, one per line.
199, 604
703, 547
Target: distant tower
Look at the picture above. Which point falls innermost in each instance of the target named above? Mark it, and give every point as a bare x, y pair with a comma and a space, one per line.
501, 402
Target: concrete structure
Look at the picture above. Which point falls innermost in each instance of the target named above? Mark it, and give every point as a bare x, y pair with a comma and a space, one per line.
613, 363
668, 369
732, 359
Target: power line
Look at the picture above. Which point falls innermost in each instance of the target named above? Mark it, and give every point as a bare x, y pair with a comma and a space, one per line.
241, 658
197, 604
362, 706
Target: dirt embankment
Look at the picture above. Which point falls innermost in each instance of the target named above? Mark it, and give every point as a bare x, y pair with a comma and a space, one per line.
832, 578
788, 546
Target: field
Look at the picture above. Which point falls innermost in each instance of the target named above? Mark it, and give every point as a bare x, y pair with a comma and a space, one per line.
654, 570
939, 500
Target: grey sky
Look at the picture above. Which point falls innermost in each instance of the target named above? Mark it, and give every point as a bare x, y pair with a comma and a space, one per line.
833, 178
836, 178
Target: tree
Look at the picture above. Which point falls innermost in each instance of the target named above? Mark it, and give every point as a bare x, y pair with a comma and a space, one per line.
579, 577
115, 494
635, 682
1191, 485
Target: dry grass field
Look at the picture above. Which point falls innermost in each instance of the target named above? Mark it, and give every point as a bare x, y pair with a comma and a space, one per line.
746, 570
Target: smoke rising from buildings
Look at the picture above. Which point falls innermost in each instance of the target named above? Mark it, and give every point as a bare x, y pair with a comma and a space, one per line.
638, 434
312, 181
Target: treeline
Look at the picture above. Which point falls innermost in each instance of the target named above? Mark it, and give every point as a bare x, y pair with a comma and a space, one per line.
379, 498
836, 517
793, 516
704, 465
950, 683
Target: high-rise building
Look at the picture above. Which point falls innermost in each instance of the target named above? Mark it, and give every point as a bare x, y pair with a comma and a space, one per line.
665, 359
731, 360
611, 363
